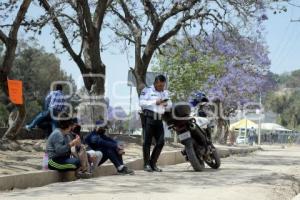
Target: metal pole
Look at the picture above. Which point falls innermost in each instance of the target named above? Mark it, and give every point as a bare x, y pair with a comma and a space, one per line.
297, 20
259, 122
130, 114
92, 113
246, 131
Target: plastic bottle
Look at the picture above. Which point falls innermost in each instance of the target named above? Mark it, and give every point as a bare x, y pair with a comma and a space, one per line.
45, 162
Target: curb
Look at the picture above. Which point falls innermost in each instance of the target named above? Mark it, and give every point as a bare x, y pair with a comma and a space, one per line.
42, 178
296, 197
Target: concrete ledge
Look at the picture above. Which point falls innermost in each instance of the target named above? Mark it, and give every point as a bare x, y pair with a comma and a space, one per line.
38, 134
296, 197
166, 158
32, 179
41, 178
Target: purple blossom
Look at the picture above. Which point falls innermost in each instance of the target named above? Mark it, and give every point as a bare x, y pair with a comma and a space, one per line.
246, 60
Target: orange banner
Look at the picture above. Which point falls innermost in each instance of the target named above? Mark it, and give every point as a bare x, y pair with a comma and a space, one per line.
15, 91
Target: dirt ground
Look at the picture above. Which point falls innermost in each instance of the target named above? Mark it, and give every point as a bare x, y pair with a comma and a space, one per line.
271, 174
30, 158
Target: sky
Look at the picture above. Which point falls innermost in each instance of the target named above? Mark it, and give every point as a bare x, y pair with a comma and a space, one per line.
282, 38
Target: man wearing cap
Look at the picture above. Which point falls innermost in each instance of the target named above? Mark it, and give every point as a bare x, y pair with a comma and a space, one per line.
154, 101
110, 148
59, 146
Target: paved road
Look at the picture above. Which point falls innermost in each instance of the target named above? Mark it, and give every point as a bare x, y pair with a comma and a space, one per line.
270, 174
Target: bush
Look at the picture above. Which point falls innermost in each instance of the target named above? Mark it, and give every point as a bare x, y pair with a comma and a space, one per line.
32, 109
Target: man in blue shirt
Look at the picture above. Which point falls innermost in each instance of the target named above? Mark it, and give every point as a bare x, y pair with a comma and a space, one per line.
110, 148
54, 104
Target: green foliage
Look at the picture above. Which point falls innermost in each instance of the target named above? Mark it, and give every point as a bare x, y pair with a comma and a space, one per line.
277, 102
286, 101
188, 71
291, 116
1, 48
37, 69
288, 80
1, 51
33, 107
3, 115
293, 80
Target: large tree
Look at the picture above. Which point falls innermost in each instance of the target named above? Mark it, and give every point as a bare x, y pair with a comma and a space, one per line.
246, 75
150, 24
232, 92
232, 70
77, 26
32, 65
188, 69
9, 37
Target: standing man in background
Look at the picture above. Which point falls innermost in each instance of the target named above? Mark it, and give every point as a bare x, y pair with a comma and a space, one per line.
154, 100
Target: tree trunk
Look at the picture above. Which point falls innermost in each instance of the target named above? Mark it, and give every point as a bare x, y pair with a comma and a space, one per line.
226, 124
140, 72
10, 42
17, 124
17, 119
219, 134
222, 125
222, 131
17, 115
142, 61
94, 80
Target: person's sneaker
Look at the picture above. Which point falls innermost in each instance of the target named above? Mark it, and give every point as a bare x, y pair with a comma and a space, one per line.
27, 127
156, 169
148, 168
125, 170
84, 175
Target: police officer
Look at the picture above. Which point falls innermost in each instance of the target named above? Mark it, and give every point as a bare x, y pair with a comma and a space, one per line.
154, 101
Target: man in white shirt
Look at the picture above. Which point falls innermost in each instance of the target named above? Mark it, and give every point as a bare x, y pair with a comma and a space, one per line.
154, 101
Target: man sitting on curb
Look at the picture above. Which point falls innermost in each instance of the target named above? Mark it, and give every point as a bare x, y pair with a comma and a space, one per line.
59, 147
111, 149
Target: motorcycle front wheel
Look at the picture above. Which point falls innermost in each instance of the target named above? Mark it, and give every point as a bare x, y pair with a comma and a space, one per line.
213, 160
196, 162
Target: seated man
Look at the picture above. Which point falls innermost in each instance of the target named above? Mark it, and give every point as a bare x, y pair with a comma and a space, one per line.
89, 159
111, 149
59, 146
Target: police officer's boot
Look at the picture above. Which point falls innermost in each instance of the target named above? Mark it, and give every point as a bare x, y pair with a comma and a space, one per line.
154, 157
146, 156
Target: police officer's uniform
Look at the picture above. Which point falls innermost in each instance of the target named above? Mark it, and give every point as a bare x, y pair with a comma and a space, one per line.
153, 126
